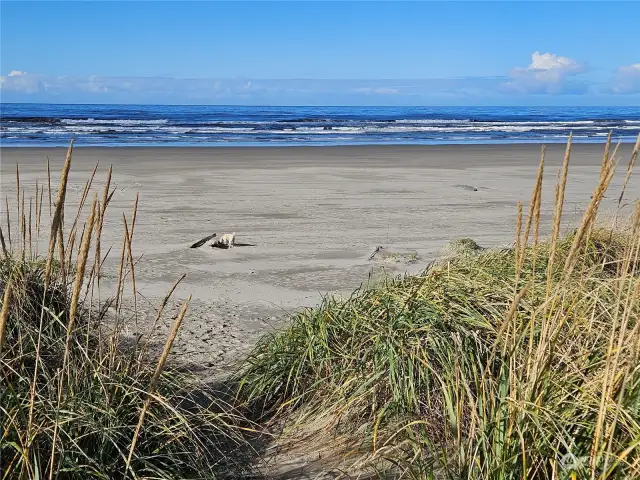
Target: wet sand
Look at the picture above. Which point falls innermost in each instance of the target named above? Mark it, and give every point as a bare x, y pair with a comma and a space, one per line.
314, 215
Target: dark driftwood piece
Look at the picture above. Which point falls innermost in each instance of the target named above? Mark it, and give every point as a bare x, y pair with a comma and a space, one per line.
375, 252
199, 243
225, 246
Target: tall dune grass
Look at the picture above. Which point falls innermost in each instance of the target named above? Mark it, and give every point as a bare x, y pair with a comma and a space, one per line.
74, 404
491, 364
505, 364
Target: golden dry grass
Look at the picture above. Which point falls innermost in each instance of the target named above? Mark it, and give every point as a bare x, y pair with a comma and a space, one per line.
73, 402
511, 364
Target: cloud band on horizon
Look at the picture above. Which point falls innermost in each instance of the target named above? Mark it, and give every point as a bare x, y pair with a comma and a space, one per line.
548, 75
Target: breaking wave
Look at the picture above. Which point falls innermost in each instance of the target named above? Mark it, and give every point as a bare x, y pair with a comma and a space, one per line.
119, 125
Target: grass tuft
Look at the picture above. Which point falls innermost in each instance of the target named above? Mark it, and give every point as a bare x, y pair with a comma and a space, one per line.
510, 364
74, 403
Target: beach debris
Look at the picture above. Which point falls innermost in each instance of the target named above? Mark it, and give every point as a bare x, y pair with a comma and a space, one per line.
228, 240
375, 252
201, 242
236, 244
467, 187
383, 255
224, 241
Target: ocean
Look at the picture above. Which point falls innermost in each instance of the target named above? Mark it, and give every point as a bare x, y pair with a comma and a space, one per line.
36, 125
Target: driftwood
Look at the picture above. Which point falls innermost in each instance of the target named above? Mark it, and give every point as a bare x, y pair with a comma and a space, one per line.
199, 243
375, 252
225, 246
471, 188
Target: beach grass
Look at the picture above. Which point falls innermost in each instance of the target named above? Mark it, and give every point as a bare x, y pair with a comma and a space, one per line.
75, 401
507, 364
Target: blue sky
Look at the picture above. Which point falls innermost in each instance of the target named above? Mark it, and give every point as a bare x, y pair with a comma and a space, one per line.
326, 53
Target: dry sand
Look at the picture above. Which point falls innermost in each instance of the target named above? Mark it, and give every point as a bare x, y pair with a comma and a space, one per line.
314, 214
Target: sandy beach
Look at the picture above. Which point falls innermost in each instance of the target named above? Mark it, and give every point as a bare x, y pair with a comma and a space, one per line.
315, 215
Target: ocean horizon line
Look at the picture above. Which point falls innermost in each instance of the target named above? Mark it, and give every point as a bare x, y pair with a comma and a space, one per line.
270, 105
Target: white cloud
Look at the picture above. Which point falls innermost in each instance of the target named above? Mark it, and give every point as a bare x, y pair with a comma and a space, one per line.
548, 73
553, 62
93, 84
18, 81
212, 89
635, 68
627, 80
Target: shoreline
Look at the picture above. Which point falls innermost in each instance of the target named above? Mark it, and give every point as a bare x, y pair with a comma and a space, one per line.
629, 139
441, 156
